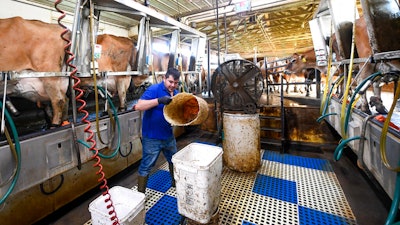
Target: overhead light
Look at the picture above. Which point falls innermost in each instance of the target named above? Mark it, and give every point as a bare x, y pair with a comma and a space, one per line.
243, 6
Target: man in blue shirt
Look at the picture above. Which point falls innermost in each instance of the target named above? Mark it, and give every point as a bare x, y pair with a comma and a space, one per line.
157, 134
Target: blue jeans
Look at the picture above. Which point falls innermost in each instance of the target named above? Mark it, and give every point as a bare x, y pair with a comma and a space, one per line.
151, 151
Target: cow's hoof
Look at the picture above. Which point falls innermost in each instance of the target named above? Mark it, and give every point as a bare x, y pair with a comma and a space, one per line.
360, 164
366, 110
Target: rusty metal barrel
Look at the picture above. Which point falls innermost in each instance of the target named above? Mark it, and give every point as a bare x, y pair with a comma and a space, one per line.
241, 142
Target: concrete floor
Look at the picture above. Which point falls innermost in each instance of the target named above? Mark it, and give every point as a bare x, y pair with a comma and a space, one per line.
368, 202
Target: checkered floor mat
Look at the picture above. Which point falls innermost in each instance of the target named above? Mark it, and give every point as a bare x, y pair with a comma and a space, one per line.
286, 189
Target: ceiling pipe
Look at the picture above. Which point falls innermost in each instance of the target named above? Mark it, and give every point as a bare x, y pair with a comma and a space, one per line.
202, 11
208, 15
260, 7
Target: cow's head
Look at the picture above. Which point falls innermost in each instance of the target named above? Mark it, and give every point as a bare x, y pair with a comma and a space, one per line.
296, 64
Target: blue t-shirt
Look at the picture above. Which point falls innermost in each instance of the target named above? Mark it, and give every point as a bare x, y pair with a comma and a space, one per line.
154, 124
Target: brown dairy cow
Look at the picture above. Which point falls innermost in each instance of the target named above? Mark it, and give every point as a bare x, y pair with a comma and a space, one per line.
32, 45
302, 64
269, 72
364, 50
118, 54
276, 70
160, 64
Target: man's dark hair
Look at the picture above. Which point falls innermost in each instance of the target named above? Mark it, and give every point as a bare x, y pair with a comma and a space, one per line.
174, 73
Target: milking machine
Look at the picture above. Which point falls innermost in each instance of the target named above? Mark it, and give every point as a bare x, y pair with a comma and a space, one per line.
361, 88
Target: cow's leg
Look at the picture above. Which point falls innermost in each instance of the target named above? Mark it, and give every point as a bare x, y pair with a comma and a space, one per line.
376, 99
308, 87
287, 84
59, 106
56, 89
122, 87
65, 110
277, 81
364, 104
271, 81
48, 114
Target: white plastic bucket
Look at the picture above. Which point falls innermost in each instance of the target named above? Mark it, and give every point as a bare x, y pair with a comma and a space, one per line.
128, 204
197, 173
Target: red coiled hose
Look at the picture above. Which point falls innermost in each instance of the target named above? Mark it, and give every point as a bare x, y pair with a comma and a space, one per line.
81, 109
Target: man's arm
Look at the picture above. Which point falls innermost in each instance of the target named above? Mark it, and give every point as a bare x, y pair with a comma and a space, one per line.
144, 105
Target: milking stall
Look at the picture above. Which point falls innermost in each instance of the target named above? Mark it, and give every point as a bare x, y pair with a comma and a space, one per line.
287, 111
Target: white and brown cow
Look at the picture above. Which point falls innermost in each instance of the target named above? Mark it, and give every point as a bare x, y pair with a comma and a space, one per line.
276, 70
32, 45
364, 50
160, 64
268, 72
304, 65
118, 54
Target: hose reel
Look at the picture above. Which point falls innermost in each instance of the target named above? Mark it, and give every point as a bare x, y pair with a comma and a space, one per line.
237, 85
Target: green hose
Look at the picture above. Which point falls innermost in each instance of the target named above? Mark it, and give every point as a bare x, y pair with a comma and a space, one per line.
339, 149
118, 128
325, 115
348, 112
395, 203
18, 149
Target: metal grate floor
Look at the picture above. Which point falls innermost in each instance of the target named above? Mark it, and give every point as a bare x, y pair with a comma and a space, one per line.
286, 189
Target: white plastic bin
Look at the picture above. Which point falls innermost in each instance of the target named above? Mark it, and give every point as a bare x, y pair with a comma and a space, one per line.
128, 204
197, 172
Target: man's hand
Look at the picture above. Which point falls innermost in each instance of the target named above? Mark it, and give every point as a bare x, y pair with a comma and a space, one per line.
164, 100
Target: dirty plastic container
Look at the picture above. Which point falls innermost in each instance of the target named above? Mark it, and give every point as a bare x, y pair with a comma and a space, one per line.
128, 204
197, 173
241, 142
186, 109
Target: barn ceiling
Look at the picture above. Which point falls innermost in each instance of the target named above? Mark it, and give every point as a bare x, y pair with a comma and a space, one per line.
269, 28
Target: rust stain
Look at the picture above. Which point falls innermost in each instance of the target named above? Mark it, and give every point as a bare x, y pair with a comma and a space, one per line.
190, 110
